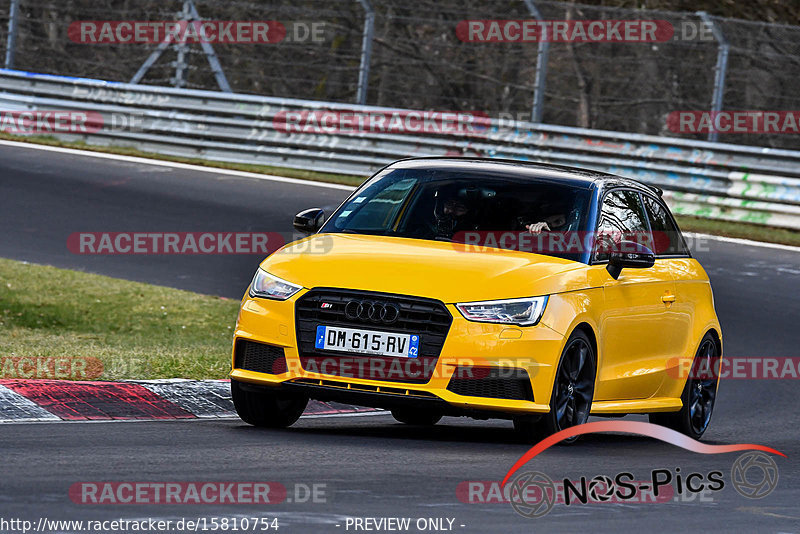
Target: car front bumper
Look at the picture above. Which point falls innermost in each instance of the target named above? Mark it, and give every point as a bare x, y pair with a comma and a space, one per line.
470, 351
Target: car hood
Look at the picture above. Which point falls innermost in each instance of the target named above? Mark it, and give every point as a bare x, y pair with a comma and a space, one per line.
449, 272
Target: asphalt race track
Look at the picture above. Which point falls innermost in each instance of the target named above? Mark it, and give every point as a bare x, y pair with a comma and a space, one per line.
370, 466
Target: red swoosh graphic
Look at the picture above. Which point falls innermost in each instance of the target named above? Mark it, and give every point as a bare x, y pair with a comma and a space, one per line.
634, 427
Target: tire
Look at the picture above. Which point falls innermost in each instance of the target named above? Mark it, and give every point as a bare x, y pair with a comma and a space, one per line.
530, 429
699, 394
573, 391
416, 417
267, 409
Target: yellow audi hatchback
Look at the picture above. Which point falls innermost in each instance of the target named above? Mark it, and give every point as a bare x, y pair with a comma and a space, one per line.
483, 288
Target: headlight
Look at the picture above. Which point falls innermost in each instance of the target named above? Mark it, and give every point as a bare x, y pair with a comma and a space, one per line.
271, 287
522, 312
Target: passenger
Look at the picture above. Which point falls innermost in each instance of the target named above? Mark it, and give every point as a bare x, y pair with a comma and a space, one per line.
549, 224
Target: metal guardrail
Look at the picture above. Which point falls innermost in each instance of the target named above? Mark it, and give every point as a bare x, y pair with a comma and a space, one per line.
714, 180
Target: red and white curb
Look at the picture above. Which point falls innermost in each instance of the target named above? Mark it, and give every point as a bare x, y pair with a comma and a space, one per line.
60, 400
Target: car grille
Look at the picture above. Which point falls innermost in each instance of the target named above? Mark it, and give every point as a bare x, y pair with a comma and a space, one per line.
259, 357
426, 317
491, 382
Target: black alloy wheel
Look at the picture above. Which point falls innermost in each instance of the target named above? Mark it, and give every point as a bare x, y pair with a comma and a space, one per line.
573, 391
699, 394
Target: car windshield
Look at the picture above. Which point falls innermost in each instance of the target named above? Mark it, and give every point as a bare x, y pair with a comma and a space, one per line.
462, 206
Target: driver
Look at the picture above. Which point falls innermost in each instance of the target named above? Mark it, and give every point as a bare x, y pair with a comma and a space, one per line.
451, 213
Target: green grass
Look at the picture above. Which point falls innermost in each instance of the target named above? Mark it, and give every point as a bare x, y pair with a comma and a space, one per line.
687, 223
135, 330
755, 232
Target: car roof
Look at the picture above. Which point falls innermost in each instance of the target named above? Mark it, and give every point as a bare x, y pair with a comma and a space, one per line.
537, 171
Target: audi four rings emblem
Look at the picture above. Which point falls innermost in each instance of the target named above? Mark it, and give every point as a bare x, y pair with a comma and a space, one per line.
376, 312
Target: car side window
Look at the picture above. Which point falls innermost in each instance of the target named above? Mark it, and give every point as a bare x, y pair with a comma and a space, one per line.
621, 218
667, 239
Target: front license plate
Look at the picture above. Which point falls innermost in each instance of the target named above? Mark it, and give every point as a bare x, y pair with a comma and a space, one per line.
367, 342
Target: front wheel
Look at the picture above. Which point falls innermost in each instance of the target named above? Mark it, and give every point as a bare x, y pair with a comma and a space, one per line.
267, 408
699, 394
416, 417
573, 391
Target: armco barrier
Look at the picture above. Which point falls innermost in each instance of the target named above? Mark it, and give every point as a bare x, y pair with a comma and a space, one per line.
714, 180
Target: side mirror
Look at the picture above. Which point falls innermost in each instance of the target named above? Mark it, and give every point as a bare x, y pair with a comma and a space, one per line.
632, 255
309, 221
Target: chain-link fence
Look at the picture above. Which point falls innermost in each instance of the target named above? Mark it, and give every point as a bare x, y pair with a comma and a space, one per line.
403, 54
